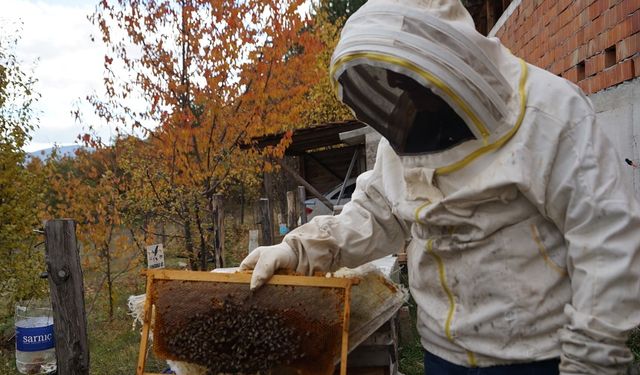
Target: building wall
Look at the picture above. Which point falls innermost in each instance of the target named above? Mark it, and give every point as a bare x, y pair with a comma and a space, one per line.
593, 43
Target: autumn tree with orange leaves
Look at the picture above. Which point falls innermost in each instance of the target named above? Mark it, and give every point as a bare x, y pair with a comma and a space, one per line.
200, 79
91, 188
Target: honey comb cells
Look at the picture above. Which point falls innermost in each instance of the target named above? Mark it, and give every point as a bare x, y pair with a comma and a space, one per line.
222, 326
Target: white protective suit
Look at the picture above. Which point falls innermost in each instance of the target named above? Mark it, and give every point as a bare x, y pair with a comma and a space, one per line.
523, 241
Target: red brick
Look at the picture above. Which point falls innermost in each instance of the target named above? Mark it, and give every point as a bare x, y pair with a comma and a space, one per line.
628, 47
629, 26
582, 52
625, 70
635, 22
571, 74
563, 4
584, 85
610, 76
575, 57
597, 8
595, 84
527, 9
580, 5
612, 17
555, 67
546, 61
594, 65
594, 28
629, 6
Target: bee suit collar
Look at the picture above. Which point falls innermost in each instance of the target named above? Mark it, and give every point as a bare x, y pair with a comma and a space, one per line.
433, 42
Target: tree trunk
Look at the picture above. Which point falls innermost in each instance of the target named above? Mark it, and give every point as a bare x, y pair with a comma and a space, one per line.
109, 281
188, 239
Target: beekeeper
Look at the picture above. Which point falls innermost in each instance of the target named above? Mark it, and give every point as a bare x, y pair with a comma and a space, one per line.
523, 252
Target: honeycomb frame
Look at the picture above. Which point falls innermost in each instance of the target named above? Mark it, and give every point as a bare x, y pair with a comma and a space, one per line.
154, 278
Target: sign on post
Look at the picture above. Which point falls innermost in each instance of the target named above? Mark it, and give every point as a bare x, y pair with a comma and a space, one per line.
155, 256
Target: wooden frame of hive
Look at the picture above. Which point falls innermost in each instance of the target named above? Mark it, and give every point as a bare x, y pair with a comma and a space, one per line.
242, 278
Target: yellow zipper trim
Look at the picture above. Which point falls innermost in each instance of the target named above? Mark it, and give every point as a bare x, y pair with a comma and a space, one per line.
483, 150
482, 129
425, 204
472, 359
443, 282
544, 254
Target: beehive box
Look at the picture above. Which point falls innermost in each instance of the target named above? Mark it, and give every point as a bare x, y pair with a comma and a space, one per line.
292, 325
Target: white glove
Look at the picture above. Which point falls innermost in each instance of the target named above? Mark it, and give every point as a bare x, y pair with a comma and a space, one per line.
265, 260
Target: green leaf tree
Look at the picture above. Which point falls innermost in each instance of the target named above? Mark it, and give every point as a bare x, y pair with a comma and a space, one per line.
20, 263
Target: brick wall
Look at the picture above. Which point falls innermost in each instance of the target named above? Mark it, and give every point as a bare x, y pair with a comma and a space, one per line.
594, 43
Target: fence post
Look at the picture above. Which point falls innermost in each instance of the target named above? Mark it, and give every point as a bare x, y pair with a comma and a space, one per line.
302, 209
266, 221
67, 297
292, 217
218, 214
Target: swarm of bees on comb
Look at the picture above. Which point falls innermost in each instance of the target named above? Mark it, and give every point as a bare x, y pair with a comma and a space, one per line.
231, 338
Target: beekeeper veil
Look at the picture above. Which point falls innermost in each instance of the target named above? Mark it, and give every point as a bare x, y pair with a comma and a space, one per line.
420, 74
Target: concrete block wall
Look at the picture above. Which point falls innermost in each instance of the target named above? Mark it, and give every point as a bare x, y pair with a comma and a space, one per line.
593, 43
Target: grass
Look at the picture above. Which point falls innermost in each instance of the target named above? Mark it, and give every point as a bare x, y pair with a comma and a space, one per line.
113, 346
411, 352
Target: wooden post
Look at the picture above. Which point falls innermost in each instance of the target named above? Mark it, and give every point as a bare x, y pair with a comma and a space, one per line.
491, 16
302, 209
292, 217
67, 297
218, 214
266, 221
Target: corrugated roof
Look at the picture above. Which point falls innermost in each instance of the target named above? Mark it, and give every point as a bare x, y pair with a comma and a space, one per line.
312, 138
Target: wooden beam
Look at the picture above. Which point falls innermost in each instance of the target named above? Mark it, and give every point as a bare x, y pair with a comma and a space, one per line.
491, 16
266, 222
218, 216
303, 182
292, 212
67, 297
302, 209
245, 278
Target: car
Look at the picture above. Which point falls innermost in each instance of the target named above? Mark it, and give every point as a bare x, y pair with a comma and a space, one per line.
315, 207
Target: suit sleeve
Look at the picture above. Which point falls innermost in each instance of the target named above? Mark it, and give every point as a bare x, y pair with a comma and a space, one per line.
600, 218
365, 230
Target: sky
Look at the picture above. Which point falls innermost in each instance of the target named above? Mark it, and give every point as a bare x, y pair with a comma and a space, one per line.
56, 43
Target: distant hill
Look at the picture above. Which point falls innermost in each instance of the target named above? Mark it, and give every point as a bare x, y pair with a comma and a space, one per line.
62, 151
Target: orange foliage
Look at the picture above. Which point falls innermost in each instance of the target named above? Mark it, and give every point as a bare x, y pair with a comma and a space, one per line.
212, 74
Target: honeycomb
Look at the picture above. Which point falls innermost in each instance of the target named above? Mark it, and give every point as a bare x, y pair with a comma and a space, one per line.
278, 329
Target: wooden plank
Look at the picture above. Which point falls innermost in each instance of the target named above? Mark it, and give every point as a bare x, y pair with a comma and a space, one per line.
266, 222
345, 332
67, 297
292, 217
218, 217
245, 277
146, 322
491, 16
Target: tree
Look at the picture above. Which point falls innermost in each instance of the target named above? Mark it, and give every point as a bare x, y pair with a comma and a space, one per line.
90, 188
211, 74
20, 263
337, 11
326, 106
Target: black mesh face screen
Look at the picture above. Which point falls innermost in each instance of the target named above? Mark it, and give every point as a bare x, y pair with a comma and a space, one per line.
410, 116
436, 131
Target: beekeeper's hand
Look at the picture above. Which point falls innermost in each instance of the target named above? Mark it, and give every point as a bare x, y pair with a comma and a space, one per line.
266, 260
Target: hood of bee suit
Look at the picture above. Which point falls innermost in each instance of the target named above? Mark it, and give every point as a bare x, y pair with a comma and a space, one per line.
435, 43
